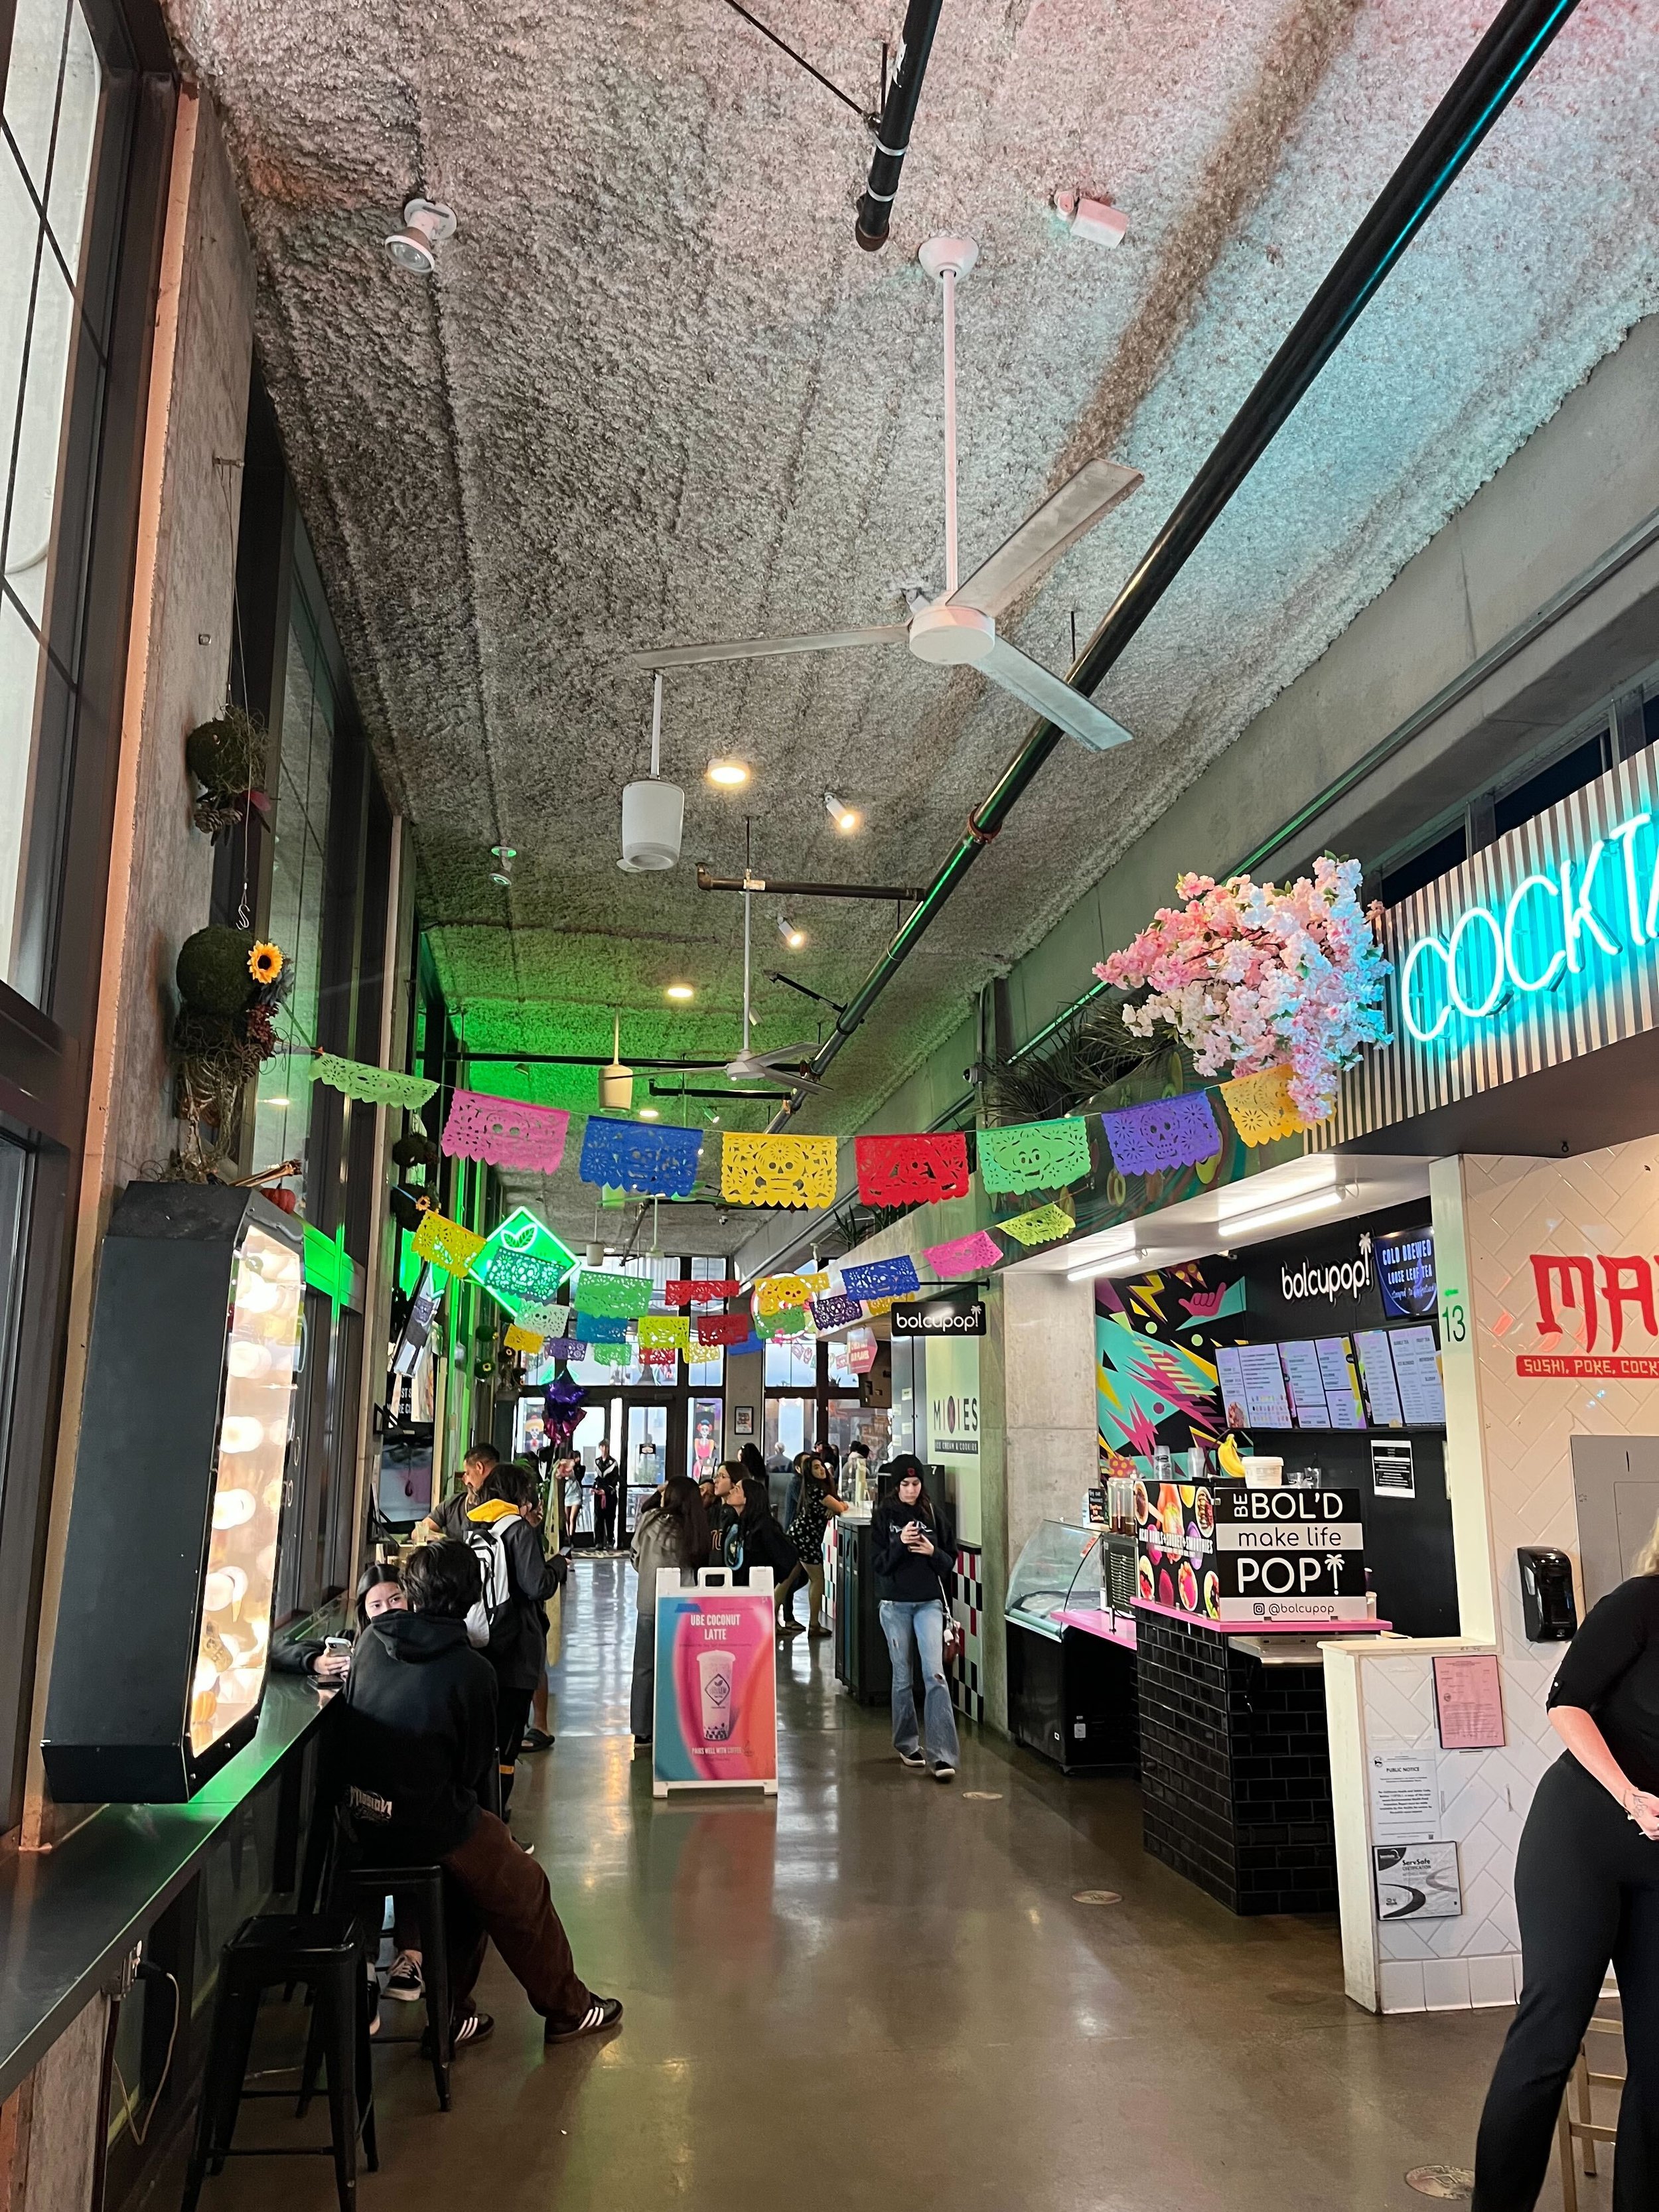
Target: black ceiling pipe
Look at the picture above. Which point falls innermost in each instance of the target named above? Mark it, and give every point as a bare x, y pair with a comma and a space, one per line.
1489, 79
887, 894
898, 113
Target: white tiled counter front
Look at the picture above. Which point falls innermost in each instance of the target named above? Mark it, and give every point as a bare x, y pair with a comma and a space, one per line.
1379, 1696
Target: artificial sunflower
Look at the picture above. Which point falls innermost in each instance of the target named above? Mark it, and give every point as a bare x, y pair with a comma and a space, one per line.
264, 962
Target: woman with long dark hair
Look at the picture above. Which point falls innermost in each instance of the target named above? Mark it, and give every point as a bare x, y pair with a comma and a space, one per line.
912, 1549
1587, 1894
674, 1533
816, 1505
757, 1540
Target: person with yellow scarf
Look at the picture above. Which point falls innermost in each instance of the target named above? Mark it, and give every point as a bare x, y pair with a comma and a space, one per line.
506, 1509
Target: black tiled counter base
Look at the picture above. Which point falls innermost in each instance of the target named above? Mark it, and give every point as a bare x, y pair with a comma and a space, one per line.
1235, 1770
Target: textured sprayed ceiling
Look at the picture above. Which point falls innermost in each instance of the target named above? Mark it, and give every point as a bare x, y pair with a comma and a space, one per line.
655, 392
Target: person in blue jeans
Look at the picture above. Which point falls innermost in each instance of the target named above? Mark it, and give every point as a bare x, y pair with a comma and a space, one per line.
913, 1548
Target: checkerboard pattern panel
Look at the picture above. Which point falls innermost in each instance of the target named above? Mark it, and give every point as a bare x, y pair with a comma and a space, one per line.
968, 1604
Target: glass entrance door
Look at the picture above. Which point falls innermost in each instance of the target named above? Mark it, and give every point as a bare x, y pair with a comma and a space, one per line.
645, 1461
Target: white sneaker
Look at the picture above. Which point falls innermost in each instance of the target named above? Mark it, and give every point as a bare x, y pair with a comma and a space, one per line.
944, 1774
405, 1983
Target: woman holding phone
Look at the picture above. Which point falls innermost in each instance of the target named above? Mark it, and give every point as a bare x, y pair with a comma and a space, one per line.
913, 1548
1587, 1893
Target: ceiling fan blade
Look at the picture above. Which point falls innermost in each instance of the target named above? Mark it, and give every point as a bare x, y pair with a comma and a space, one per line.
763, 648
1053, 696
1082, 501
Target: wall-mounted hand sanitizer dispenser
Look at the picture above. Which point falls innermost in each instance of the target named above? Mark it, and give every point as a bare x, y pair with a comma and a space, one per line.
1546, 1600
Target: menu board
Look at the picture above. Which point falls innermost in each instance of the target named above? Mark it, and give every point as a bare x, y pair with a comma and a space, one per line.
1342, 1398
1382, 1395
1300, 1360
1235, 1406
1417, 1369
1312, 1383
1264, 1386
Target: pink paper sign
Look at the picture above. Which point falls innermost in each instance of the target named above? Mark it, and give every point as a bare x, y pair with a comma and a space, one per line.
963, 1255
1468, 1702
506, 1132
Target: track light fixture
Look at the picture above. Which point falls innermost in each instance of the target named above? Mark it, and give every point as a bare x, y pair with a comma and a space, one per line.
427, 223
793, 937
843, 816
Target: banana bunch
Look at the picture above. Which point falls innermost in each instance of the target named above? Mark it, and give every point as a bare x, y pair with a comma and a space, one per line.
1228, 1458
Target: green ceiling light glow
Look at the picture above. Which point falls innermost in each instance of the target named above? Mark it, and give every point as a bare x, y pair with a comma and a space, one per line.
525, 1235
328, 1266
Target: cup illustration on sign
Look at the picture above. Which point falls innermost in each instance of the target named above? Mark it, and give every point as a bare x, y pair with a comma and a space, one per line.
714, 1694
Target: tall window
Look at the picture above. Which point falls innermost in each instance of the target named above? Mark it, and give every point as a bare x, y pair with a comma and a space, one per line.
54, 318
297, 884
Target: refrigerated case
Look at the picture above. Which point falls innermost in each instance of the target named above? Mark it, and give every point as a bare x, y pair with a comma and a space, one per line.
1071, 1693
179, 1489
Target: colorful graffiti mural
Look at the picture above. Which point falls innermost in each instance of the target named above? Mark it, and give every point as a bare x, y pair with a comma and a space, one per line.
1155, 1371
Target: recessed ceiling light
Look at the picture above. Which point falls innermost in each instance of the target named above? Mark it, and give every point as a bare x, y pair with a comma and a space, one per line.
793, 937
727, 773
843, 816
678, 991
648, 1113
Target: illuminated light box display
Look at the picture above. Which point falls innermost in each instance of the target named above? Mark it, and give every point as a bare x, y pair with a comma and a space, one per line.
173, 1538
521, 1264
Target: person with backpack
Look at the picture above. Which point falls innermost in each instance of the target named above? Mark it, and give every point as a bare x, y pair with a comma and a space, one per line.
416, 1744
912, 1549
674, 1533
517, 1577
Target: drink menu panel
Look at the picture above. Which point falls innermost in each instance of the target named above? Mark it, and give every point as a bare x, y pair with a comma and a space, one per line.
1378, 1378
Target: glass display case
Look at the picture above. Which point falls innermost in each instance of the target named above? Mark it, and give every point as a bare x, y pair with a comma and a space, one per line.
1058, 1569
165, 1629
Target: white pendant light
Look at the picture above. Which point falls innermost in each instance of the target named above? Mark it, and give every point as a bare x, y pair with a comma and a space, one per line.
616, 1081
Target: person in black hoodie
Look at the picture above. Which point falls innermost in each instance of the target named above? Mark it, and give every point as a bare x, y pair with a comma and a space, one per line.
418, 1753
507, 1505
759, 1540
911, 1550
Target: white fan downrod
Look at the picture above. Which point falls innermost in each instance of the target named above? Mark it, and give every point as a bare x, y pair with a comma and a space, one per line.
959, 628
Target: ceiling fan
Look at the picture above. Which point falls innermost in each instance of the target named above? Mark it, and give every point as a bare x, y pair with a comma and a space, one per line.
958, 629
788, 1060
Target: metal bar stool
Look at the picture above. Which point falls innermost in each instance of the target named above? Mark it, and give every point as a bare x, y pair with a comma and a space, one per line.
363, 1891
323, 1953
1585, 2130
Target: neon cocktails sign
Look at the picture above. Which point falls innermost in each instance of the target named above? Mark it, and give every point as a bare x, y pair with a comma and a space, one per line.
1542, 934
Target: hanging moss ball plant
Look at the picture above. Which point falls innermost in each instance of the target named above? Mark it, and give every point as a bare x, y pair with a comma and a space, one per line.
212, 971
227, 756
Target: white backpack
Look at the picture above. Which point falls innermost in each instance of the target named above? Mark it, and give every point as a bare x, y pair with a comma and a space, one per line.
490, 1619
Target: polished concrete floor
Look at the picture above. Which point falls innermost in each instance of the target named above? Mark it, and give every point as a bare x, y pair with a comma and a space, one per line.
880, 1992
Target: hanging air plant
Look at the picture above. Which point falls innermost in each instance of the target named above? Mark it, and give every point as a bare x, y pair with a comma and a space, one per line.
227, 756
229, 988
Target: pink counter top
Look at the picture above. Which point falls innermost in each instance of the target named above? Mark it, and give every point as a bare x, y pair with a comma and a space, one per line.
1326, 1628
1103, 1625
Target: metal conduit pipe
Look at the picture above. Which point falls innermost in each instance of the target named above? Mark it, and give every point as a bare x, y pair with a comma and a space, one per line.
898, 113
1493, 74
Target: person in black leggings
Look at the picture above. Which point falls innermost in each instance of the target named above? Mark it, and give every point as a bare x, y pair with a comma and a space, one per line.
1587, 1893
